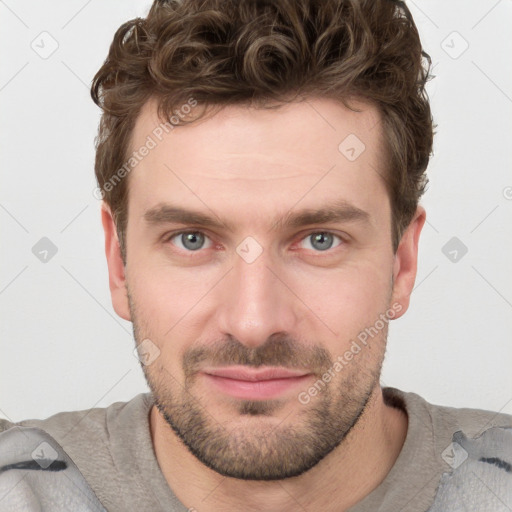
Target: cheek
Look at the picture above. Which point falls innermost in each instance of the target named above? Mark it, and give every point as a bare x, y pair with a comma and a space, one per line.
168, 299
347, 300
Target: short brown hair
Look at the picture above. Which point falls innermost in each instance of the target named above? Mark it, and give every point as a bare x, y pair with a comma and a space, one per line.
263, 53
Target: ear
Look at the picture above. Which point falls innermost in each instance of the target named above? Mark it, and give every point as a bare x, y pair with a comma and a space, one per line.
116, 269
406, 260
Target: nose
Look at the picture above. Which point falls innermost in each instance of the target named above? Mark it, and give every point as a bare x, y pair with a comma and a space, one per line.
256, 302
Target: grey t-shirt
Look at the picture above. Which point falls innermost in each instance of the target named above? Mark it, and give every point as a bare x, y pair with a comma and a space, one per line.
452, 460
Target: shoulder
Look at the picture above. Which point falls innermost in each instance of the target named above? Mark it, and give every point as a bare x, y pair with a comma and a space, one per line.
460, 425
474, 448
445, 418
75, 431
94, 443
5, 425
62, 423
35, 471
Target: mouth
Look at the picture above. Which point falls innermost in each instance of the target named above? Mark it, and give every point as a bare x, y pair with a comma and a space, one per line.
254, 384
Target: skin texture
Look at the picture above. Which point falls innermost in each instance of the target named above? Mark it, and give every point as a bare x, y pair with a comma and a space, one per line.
295, 306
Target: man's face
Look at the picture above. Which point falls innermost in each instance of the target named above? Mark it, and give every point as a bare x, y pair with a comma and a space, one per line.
256, 291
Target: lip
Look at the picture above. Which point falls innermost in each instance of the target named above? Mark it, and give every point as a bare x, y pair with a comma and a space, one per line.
254, 384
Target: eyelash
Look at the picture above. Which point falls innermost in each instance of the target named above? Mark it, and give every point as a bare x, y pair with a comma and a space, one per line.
168, 237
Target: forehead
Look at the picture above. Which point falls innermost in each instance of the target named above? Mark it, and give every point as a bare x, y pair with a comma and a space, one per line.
310, 152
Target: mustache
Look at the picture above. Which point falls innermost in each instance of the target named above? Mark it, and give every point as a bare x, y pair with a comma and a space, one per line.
278, 350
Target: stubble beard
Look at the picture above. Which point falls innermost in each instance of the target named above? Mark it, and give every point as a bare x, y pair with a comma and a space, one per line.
258, 447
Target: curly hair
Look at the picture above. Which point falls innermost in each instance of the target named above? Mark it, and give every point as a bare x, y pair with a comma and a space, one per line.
267, 53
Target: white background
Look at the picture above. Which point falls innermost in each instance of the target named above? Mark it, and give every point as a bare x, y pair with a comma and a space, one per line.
62, 345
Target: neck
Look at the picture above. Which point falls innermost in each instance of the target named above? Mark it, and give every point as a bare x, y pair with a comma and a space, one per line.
342, 479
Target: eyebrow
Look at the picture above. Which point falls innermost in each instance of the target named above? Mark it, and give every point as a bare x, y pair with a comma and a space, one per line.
339, 211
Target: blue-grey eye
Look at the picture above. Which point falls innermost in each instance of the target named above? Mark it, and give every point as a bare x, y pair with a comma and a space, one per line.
322, 240
190, 240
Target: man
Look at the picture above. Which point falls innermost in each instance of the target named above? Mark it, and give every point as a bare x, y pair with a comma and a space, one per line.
261, 165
